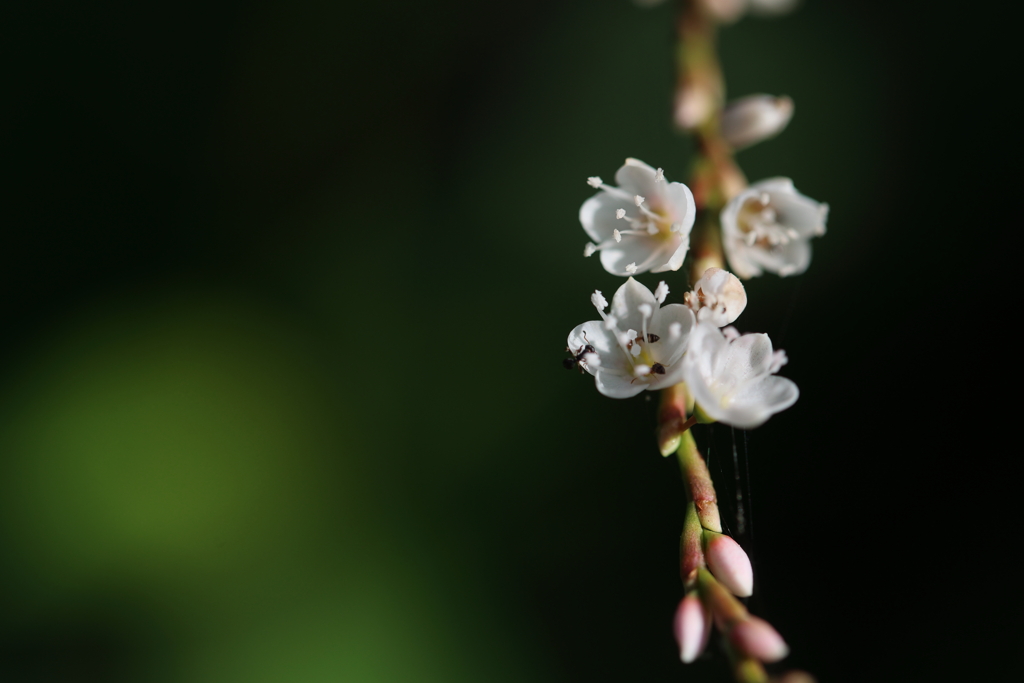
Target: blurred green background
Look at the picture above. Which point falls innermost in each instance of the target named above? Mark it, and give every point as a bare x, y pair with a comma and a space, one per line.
286, 288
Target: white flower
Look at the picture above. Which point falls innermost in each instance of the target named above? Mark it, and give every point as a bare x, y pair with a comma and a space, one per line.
731, 381
754, 118
718, 297
638, 345
768, 226
641, 225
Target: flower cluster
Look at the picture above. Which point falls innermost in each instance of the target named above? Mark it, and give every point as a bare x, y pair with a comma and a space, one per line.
705, 370
641, 345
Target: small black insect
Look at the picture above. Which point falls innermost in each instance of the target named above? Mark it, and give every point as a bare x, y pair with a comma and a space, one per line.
578, 359
656, 369
651, 338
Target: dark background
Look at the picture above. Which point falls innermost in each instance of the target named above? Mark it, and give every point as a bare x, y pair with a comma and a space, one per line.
285, 289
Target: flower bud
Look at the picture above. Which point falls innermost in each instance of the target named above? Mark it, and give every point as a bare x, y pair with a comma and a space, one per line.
795, 677
692, 626
756, 638
726, 11
718, 297
695, 103
752, 119
729, 564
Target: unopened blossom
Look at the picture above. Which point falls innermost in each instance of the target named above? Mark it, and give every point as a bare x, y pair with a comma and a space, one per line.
718, 297
795, 677
638, 344
697, 99
756, 638
729, 563
641, 225
768, 227
692, 627
754, 118
731, 381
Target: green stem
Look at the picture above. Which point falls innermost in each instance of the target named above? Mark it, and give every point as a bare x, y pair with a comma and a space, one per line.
672, 416
691, 548
698, 480
724, 606
747, 669
700, 98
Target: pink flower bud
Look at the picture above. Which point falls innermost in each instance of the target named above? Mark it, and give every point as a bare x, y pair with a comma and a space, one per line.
692, 626
694, 105
755, 118
795, 677
730, 565
756, 638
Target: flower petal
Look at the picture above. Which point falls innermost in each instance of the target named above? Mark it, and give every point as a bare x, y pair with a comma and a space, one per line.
731, 211
778, 184
740, 256
597, 215
804, 215
748, 357
791, 258
681, 206
769, 395
675, 262
673, 375
648, 253
618, 386
707, 344
636, 177
708, 352
626, 302
607, 349
666, 350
